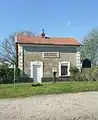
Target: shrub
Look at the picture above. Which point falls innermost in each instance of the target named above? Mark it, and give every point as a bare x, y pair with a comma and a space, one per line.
87, 74
91, 74
74, 70
74, 73
7, 75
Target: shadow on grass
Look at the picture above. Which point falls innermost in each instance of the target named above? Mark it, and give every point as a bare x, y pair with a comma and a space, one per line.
37, 84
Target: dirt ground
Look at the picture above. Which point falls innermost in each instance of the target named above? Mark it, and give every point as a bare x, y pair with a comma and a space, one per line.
76, 106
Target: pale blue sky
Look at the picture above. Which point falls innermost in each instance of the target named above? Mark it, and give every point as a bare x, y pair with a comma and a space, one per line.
63, 18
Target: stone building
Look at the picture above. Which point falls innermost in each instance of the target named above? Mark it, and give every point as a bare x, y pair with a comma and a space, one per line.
39, 56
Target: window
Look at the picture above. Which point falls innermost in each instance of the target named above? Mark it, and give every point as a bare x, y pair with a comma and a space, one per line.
64, 70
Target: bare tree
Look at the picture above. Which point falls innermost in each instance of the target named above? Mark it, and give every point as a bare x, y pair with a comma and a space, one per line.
8, 46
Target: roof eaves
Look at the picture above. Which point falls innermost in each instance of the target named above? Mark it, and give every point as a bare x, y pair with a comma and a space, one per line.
49, 44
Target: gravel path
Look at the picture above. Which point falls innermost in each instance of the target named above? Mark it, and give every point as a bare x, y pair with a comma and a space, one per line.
78, 106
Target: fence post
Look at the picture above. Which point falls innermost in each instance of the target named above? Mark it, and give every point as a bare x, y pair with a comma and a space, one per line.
14, 73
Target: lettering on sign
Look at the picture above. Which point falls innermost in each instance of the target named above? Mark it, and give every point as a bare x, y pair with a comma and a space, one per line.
50, 54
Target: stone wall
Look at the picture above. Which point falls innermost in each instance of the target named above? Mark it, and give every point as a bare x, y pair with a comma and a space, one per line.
34, 53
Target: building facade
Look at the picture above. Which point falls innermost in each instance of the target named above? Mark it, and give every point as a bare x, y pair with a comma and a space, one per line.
39, 57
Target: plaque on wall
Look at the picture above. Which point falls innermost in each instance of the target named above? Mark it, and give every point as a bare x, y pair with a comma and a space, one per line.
50, 54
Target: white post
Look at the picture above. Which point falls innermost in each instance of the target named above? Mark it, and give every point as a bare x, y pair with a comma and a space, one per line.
14, 74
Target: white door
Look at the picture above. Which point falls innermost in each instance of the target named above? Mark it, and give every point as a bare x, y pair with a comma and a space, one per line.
37, 73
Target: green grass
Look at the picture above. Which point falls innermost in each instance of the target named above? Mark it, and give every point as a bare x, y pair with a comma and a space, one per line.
26, 90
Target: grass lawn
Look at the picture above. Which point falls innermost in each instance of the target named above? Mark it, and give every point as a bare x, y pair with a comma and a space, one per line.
26, 90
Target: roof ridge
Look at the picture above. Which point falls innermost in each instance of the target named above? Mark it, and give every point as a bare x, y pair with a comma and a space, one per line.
50, 37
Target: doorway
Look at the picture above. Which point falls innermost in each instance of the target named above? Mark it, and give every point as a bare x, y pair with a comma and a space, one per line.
37, 71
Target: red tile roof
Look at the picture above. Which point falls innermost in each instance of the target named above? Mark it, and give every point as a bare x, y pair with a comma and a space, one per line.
46, 40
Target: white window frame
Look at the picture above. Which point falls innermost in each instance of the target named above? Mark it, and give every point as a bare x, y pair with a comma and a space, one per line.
36, 63
65, 63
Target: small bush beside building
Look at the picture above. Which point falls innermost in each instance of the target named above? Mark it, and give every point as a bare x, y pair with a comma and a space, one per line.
87, 74
7, 75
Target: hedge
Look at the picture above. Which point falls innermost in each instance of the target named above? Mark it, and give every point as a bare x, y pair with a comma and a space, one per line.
7, 75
